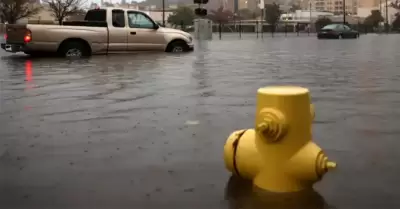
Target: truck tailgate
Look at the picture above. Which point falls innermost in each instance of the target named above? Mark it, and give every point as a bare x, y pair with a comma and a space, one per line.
16, 33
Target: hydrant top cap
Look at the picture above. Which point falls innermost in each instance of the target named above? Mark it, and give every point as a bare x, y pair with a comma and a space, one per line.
283, 90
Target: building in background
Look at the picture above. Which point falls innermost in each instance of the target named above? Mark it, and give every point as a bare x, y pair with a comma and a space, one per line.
216, 4
44, 16
304, 16
366, 6
335, 6
247, 4
369, 3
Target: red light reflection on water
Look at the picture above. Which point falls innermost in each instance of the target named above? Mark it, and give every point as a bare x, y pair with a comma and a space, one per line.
28, 70
28, 74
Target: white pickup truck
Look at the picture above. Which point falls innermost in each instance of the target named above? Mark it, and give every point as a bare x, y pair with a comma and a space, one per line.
104, 31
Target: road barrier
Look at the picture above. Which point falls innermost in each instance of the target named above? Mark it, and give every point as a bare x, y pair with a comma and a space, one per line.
278, 155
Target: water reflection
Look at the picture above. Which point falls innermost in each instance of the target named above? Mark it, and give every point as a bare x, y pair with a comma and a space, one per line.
200, 75
241, 194
28, 75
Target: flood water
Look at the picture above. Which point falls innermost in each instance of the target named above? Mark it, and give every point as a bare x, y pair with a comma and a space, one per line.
147, 130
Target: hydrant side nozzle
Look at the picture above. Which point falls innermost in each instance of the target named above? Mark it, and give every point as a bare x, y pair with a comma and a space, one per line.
273, 125
330, 165
312, 110
324, 165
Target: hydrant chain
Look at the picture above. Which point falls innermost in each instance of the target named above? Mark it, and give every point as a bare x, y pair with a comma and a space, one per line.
235, 145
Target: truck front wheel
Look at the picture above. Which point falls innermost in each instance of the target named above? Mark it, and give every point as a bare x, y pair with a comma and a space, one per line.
177, 46
74, 49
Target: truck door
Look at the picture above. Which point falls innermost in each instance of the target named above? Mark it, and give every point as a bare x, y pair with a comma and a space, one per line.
142, 33
118, 37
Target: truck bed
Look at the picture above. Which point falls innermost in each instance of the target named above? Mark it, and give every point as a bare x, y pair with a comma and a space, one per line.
86, 23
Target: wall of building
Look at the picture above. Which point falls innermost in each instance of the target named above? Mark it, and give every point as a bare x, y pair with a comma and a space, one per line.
368, 3
157, 15
215, 4
304, 15
335, 6
44, 15
365, 11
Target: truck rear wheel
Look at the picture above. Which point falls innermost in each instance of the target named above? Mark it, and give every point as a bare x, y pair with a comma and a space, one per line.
74, 49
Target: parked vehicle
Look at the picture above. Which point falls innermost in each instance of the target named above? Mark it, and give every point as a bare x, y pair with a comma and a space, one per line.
337, 31
104, 31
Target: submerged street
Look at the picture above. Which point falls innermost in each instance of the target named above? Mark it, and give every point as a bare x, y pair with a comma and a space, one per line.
147, 130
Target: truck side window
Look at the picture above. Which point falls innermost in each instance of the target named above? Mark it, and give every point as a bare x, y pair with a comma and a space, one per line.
139, 20
118, 18
96, 15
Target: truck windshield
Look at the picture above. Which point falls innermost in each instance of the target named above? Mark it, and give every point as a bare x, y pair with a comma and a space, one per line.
96, 15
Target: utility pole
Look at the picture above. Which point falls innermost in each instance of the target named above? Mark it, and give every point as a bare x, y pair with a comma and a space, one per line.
387, 18
163, 13
309, 26
344, 12
310, 11
380, 11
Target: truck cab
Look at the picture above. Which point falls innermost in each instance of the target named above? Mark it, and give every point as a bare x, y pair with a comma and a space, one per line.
104, 31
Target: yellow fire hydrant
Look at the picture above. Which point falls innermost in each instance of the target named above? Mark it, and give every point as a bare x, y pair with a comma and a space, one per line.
278, 155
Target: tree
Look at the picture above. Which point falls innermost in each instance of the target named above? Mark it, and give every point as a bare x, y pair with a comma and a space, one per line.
322, 22
245, 14
61, 9
374, 19
294, 7
272, 14
108, 4
13, 10
182, 16
257, 12
220, 15
395, 4
396, 22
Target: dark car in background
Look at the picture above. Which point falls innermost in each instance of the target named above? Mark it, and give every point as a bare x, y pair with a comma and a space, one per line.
337, 31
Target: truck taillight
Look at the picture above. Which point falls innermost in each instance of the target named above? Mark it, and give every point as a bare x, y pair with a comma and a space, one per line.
5, 36
28, 37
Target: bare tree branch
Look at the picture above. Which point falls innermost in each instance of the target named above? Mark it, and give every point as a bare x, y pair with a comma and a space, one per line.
395, 4
61, 9
14, 10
